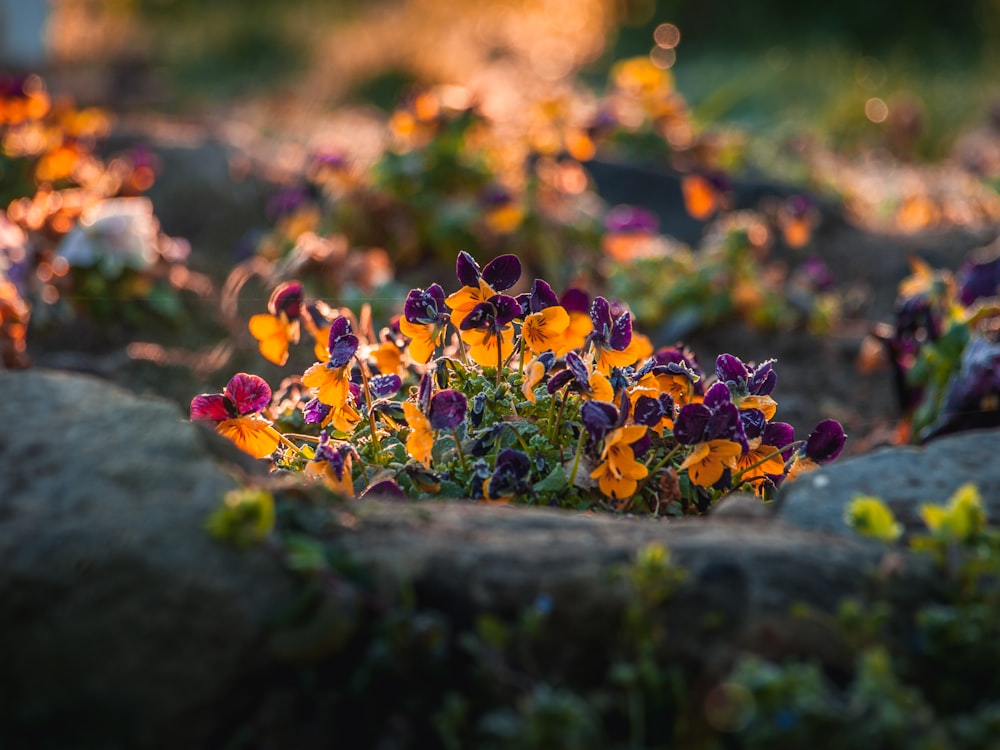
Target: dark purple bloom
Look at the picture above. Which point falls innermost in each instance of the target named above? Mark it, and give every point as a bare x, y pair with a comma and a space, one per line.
780, 435
495, 196
447, 410
826, 441
970, 401
492, 315
244, 394
425, 305
287, 299
424, 391
716, 418
286, 201
754, 422
742, 380
383, 386
542, 296
510, 474
598, 417
500, 273
386, 489
315, 411
818, 273
631, 219
576, 373
478, 409
342, 344
575, 300
648, 411
977, 280
608, 332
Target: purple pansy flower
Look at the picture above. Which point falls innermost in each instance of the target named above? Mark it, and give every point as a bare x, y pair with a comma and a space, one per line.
244, 394
425, 306
744, 380
977, 280
447, 410
716, 418
387, 489
826, 441
608, 332
625, 219
510, 474
342, 344
500, 273
599, 418
383, 386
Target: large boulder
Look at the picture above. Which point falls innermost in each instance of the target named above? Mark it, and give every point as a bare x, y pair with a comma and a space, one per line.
121, 621
903, 477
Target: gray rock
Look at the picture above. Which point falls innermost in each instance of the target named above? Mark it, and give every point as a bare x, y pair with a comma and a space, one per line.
119, 615
904, 478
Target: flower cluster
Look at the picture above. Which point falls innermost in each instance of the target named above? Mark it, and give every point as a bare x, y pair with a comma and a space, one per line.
943, 348
527, 397
76, 235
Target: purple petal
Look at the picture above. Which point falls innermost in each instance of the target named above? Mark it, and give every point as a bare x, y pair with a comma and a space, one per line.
779, 434
724, 423
286, 298
648, 411
978, 280
690, 424
387, 489
578, 368
600, 316
355, 390
424, 391
338, 327
342, 350
575, 300
447, 410
717, 395
315, 411
502, 272
598, 418
524, 300
467, 270
513, 462
249, 393
763, 379
640, 446
212, 407
482, 316
542, 296
558, 380
730, 369
383, 386
754, 422
621, 333
424, 305
826, 441
507, 309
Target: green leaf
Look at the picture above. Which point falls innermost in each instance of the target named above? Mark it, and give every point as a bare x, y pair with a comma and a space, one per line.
555, 481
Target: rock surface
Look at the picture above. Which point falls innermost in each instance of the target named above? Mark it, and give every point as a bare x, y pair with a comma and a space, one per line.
121, 621
904, 478
122, 624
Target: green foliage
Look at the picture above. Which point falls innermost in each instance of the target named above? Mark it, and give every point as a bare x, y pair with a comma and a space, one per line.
245, 517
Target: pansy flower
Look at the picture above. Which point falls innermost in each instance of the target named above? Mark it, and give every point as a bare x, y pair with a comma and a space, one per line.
704, 193
763, 460
577, 304
544, 327
332, 377
489, 332
750, 387
236, 414
478, 285
447, 409
628, 230
610, 337
823, 445
675, 380
715, 431
576, 375
509, 477
599, 418
424, 321
279, 326
333, 463
503, 214
619, 472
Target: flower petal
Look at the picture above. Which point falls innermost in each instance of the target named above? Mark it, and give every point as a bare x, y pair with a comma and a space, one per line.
502, 272
210, 407
448, 409
249, 393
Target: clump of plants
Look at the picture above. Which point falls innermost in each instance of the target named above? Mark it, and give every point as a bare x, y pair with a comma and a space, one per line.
532, 398
943, 348
732, 275
76, 236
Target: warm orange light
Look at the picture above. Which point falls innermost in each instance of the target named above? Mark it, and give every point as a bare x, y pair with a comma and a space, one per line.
876, 109
667, 36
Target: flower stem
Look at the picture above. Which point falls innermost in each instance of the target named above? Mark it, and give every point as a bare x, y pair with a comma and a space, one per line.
659, 465
286, 442
307, 438
376, 444
499, 359
739, 475
576, 458
458, 448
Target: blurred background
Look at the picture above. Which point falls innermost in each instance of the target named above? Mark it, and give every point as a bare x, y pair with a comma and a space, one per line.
923, 66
